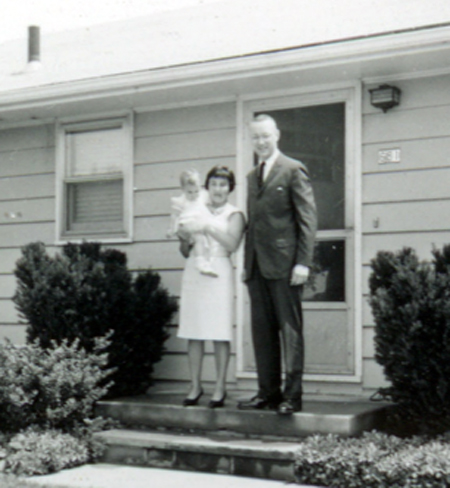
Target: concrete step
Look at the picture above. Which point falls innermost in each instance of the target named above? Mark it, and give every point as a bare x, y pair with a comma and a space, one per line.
268, 459
163, 409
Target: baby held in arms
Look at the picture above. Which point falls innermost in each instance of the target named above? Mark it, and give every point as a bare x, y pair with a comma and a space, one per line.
192, 204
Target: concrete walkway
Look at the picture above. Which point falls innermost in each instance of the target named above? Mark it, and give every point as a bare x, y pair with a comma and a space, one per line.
113, 476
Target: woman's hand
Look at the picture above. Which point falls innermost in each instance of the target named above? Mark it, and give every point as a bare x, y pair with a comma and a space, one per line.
193, 225
183, 234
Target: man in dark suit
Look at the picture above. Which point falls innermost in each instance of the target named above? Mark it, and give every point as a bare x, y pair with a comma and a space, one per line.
282, 223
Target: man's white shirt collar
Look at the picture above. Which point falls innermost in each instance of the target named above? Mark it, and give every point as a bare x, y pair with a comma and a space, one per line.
270, 162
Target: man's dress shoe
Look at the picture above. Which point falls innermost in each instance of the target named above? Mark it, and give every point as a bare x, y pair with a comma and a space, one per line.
258, 403
288, 407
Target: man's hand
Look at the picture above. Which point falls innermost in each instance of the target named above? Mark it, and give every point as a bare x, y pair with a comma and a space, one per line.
299, 275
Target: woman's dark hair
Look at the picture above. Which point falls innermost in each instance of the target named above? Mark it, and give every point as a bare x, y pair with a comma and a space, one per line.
221, 172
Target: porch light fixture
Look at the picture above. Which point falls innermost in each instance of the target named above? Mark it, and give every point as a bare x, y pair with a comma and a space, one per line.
385, 97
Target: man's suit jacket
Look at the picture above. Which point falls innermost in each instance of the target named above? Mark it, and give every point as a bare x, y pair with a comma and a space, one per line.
282, 220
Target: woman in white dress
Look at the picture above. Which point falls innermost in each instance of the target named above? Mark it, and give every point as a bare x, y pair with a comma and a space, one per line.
206, 306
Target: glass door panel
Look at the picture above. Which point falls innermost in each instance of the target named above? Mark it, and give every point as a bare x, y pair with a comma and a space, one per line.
316, 137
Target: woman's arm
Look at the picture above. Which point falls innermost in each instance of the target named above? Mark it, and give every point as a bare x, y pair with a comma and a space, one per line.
231, 239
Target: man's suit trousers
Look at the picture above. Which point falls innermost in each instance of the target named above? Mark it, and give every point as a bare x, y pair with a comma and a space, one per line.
276, 313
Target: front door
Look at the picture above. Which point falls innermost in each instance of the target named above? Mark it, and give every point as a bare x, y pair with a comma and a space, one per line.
317, 130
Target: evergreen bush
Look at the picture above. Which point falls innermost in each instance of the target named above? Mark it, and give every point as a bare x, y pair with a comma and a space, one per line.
410, 302
86, 291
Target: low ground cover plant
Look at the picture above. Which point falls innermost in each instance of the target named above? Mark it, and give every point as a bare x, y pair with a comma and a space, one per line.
374, 460
37, 452
54, 387
47, 398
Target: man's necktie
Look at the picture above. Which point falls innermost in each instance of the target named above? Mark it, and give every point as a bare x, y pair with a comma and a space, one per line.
261, 173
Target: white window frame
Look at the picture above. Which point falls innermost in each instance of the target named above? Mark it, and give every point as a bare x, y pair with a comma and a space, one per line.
125, 122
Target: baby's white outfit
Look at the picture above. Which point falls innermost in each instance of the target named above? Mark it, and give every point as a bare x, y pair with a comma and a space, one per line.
182, 208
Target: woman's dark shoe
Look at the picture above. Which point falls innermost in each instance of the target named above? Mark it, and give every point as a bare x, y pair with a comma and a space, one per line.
190, 402
217, 403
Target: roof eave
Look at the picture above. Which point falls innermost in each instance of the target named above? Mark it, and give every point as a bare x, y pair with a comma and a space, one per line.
347, 52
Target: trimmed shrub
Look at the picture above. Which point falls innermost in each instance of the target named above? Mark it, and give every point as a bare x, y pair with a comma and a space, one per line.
374, 460
55, 387
410, 301
36, 452
85, 292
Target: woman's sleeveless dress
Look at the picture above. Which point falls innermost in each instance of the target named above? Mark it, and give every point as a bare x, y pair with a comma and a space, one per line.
206, 305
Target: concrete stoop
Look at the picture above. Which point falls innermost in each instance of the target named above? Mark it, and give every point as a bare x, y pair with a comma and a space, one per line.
159, 432
243, 457
346, 418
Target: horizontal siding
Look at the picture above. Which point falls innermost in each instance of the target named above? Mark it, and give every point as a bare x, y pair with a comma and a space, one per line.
186, 147
28, 161
415, 216
167, 175
405, 204
9, 313
151, 228
171, 280
8, 258
8, 285
27, 187
153, 202
373, 377
368, 342
17, 235
408, 185
188, 119
402, 124
435, 151
27, 208
366, 271
15, 333
156, 255
421, 242
34, 138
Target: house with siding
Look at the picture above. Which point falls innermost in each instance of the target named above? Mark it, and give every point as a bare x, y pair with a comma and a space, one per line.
97, 126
